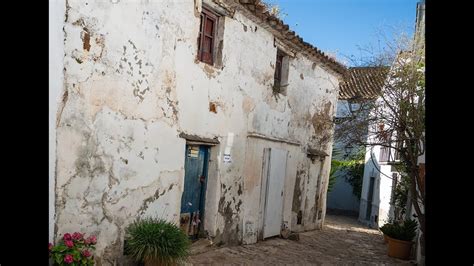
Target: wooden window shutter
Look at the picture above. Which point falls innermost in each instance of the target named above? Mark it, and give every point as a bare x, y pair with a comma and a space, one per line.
278, 67
200, 36
206, 36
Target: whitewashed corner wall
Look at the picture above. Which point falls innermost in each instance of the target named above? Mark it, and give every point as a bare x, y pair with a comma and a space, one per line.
382, 189
56, 80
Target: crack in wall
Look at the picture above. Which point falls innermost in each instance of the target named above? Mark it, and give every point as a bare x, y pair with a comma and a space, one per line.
61, 108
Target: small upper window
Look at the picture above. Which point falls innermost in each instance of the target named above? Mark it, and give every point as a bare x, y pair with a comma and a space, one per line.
278, 64
207, 36
384, 154
281, 72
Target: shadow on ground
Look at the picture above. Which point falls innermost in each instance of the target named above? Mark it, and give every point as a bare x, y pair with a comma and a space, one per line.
342, 241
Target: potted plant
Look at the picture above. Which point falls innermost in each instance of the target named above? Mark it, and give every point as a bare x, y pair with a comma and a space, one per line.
73, 250
156, 242
400, 239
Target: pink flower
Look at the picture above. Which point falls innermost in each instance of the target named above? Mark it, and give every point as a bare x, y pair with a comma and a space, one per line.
69, 243
86, 253
67, 236
77, 236
87, 241
68, 259
92, 240
50, 247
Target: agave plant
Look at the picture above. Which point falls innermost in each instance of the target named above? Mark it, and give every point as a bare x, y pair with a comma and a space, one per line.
387, 229
405, 231
156, 242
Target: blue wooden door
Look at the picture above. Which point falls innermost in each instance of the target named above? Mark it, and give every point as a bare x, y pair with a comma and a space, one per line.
195, 177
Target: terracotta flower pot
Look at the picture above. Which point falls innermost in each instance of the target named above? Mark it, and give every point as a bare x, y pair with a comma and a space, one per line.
385, 238
399, 249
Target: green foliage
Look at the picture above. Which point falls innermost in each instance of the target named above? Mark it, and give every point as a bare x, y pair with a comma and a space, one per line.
73, 250
401, 195
352, 168
405, 231
387, 229
156, 240
332, 176
335, 167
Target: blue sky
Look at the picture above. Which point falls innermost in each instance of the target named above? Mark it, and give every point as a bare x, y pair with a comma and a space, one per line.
340, 26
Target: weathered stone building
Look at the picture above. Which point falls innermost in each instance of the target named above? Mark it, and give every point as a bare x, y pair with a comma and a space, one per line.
156, 105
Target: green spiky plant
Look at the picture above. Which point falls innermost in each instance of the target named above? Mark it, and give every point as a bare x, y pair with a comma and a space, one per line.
387, 229
405, 231
156, 242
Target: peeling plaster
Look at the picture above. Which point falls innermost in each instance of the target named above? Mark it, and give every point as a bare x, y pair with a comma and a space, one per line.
133, 85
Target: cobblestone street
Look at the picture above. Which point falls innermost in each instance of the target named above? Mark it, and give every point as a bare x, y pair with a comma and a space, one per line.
342, 241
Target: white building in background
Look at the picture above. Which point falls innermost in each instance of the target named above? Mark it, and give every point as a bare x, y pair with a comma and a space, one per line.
363, 84
211, 111
381, 177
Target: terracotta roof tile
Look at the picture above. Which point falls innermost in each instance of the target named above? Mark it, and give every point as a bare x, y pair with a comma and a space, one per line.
258, 9
363, 82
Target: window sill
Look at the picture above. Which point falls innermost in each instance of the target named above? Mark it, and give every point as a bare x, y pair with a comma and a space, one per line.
280, 90
213, 66
389, 162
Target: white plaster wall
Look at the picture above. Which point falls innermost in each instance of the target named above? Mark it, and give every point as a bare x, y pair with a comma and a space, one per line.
133, 85
384, 192
56, 79
382, 189
421, 159
119, 154
369, 171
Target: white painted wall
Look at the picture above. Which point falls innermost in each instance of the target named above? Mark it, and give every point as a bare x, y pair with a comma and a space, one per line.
56, 79
382, 189
421, 159
138, 86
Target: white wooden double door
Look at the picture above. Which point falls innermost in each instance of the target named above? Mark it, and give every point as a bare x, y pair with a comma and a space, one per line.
273, 180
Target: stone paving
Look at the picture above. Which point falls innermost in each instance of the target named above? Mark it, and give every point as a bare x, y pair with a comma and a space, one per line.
343, 241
